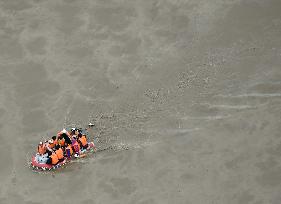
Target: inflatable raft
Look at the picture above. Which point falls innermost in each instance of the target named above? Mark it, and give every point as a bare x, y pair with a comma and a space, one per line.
38, 164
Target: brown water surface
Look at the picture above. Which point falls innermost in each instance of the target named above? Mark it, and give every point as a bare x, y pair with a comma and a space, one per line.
187, 94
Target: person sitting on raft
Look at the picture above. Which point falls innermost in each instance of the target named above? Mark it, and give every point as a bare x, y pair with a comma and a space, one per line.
41, 148
68, 150
75, 146
53, 158
51, 144
73, 131
82, 140
42, 155
59, 153
65, 135
61, 141
55, 139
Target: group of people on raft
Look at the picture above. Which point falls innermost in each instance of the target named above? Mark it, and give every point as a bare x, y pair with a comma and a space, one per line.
64, 144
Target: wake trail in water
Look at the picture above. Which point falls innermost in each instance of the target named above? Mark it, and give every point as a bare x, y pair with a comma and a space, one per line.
217, 117
254, 95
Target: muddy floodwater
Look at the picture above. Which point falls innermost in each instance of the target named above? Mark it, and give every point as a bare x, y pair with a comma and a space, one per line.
184, 94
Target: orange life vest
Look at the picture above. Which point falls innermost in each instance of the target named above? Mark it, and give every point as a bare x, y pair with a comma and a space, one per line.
83, 140
52, 145
54, 158
61, 142
55, 142
41, 149
59, 153
70, 149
